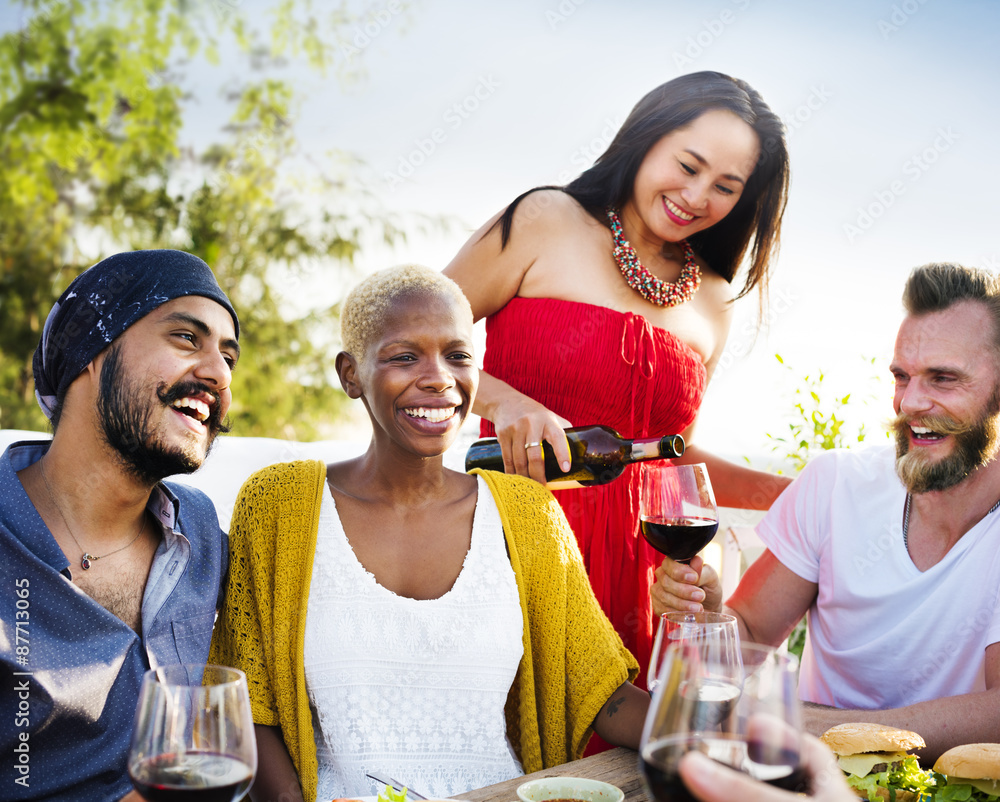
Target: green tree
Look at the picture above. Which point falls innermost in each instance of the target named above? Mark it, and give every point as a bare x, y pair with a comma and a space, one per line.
92, 101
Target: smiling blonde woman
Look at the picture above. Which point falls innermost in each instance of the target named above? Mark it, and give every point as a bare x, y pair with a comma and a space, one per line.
396, 617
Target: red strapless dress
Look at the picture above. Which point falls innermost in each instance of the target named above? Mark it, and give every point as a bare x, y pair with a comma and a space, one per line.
591, 364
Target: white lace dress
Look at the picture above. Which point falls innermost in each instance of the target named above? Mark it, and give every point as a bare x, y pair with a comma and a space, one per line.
413, 689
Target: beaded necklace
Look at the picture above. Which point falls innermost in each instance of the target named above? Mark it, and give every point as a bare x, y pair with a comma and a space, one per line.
653, 289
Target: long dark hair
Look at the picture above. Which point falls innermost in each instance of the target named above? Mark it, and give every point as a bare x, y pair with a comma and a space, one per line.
677, 103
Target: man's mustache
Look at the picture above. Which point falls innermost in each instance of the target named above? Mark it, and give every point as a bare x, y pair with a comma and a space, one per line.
184, 389
938, 424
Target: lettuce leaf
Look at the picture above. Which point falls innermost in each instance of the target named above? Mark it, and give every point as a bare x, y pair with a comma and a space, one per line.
953, 793
906, 775
390, 794
910, 776
868, 784
960, 792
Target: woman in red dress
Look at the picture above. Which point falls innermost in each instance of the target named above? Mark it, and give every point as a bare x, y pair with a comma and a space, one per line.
609, 301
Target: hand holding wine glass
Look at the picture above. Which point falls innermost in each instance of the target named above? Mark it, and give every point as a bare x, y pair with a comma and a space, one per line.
689, 586
710, 781
677, 509
754, 728
194, 735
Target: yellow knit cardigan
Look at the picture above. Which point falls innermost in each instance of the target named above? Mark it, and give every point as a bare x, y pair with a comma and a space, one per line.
573, 659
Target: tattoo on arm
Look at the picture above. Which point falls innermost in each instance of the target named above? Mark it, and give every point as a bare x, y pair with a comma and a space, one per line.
614, 704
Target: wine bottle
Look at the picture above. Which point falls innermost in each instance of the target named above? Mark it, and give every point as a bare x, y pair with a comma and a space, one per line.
598, 455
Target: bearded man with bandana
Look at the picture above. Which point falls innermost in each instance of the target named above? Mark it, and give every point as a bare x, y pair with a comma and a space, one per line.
109, 571
894, 554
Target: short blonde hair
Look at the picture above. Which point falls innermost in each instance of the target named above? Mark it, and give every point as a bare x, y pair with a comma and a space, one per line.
363, 315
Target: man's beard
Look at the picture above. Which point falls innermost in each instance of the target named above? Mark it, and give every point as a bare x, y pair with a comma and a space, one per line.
975, 445
125, 411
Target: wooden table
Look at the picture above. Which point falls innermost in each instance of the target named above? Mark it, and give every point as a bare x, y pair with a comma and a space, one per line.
617, 766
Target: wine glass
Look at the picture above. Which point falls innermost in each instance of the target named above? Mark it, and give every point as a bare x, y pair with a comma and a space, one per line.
715, 634
194, 736
753, 725
770, 717
677, 509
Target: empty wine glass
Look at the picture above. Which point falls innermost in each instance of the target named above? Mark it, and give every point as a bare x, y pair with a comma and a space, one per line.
677, 509
194, 736
753, 725
715, 634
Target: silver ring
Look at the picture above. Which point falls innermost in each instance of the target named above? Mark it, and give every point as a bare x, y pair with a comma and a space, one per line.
532, 445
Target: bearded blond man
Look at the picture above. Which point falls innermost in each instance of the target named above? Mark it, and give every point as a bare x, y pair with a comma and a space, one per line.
894, 553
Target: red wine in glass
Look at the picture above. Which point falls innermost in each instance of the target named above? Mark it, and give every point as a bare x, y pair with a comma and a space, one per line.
778, 767
659, 762
677, 512
193, 737
191, 777
660, 759
744, 715
679, 538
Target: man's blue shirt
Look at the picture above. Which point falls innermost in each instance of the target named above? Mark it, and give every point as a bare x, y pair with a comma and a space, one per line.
70, 670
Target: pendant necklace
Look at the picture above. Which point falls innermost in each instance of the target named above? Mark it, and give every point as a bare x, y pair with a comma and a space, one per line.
906, 519
87, 559
653, 289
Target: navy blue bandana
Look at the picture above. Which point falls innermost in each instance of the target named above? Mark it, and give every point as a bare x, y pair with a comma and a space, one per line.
103, 301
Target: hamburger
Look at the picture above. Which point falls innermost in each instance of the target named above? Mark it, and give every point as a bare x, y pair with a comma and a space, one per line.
877, 762
971, 774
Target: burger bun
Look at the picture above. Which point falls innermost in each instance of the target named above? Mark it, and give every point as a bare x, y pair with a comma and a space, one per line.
971, 761
857, 738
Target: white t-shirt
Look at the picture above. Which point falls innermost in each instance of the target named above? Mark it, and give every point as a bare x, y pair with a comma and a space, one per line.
412, 689
882, 634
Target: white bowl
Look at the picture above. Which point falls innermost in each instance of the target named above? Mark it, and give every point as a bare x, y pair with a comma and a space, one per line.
548, 788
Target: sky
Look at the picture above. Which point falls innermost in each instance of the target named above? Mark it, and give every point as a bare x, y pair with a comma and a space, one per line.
892, 117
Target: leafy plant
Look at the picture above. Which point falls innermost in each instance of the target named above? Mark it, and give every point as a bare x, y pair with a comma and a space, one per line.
818, 423
797, 639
